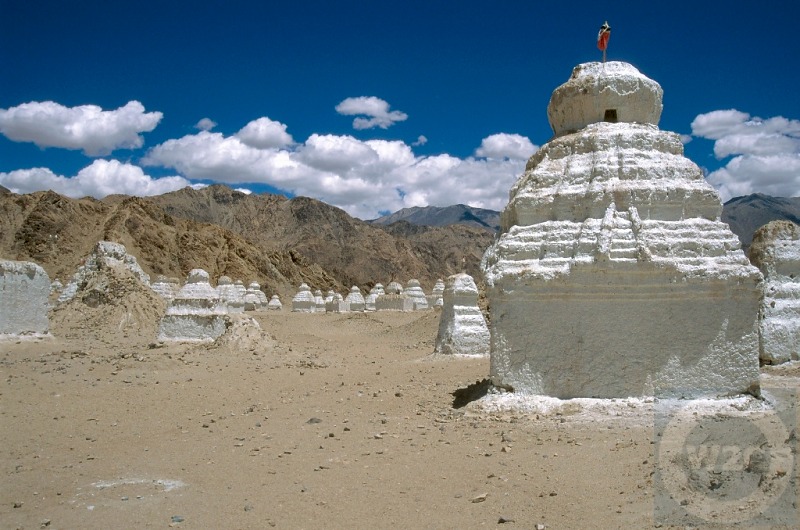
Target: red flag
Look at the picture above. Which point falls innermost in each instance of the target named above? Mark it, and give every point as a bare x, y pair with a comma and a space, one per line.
602, 36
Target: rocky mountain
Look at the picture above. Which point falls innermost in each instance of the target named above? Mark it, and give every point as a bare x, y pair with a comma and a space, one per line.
748, 213
352, 251
267, 238
444, 216
58, 232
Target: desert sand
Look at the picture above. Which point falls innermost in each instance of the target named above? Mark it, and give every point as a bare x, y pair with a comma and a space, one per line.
317, 421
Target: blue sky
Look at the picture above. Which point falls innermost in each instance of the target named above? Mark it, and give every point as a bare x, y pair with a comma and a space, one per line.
373, 106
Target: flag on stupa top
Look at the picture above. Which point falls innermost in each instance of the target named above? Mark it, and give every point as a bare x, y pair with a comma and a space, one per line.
603, 35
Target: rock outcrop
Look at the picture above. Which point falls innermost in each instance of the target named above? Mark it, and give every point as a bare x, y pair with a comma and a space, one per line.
613, 275
104, 253
776, 251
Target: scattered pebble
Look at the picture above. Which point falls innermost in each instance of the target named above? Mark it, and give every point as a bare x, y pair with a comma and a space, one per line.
504, 519
177, 519
480, 498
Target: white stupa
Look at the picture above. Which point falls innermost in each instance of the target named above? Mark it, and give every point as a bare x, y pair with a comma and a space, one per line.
304, 301
776, 251
337, 304
394, 288
196, 313
319, 301
104, 254
24, 292
239, 285
462, 328
612, 275
255, 287
230, 295
435, 298
394, 299
374, 293
355, 299
274, 303
416, 294
165, 287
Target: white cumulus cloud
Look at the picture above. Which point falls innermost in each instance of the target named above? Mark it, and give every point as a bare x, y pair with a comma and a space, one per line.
99, 179
376, 110
205, 124
264, 133
765, 153
361, 177
89, 128
504, 145
421, 140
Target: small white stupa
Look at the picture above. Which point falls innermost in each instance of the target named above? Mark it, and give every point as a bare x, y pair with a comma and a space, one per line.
613, 275
337, 304
776, 252
393, 299
416, 294
435, 298
255, 287
304, 301
319, 301
230, 295
165, 287
239, 285
374, 293
274, 303
24, 292
196, 313
355, 299
462, 328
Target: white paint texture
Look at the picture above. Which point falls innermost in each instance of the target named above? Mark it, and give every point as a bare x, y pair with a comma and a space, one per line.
24, 289
196, 313
776, 251
462, 328
613, 275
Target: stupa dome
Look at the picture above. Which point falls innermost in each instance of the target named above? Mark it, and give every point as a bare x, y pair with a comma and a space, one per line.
612, 92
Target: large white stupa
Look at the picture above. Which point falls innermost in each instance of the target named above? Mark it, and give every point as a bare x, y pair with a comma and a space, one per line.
613, 275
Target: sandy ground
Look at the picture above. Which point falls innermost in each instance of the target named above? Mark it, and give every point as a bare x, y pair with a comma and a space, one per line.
337, 421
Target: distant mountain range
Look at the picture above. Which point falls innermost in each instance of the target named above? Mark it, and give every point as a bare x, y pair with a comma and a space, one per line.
744, 214
276, 241
748, 213
444, 216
